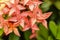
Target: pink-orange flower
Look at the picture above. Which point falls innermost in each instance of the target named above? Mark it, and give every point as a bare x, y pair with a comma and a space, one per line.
12, 26
41, 17
31, 3
19, 14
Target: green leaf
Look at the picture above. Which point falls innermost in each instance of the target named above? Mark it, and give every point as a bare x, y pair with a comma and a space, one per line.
12, 36
57, 4
1, 39
58, 33
42, 34
1, 32
40, 37
50, 38
53, 28
45, 6
27, 34
58, 39
46, 0
20, 27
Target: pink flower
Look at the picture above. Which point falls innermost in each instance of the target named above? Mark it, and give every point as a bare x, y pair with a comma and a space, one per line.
12, 26
41, 17
3, 24
1, 21
19, 15
16, 8
31, 3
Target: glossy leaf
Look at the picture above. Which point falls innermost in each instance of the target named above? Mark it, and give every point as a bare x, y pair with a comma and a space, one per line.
53, 28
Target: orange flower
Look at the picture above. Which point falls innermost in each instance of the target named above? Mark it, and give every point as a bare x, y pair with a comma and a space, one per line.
12, 26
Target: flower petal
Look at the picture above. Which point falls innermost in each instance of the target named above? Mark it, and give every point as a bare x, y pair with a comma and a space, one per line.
35, 27
6, 10
13, 19
26, 27
9, 31
20, 7
33, 36
46, 15
22, 23
1, 12
12, 1
33, 21
16, 31
25, 2
12, 11
1, 26
31, 7
2, 6
5, 29
8, 4
44, 23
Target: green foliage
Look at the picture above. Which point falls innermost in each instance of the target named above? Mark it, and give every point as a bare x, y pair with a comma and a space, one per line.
42, 33
12, 36
52, 34
1, 39
27, 34
50, 38
46, 0
46, 6
58, 33
53, 28
1, 32
57, 4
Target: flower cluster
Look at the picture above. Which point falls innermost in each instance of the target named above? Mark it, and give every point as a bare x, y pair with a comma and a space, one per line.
21, 12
